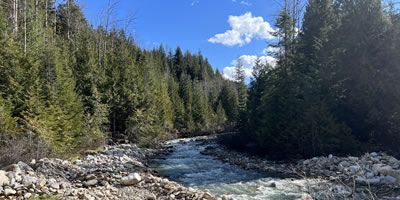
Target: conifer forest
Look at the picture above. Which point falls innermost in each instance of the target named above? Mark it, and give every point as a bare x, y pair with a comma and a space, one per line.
67, 86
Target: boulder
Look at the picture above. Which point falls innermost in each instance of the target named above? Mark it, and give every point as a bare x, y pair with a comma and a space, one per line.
9, 192
131, 179
384, 170
271, 184
393, 160
24, 167
4, 180
29, 180
354, 169
90, 183
208, 196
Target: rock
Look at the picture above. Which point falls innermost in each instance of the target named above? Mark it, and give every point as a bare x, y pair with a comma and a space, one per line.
27, 195
4, 180
55, 186
306, 197
24, 167
9, 192
389, 179
374, 180
151, 196
369, 174
208, 196
131, 179
42, 182
385, 170
392, 160
272, 184
90, 177
344, 164
360, 180
354, 169
373, 154
90, 183
29, 180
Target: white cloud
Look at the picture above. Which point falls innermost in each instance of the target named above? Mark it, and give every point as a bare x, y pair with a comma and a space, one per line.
270, 50
248, 63
194, 3
233, 0
245, 3
244, 28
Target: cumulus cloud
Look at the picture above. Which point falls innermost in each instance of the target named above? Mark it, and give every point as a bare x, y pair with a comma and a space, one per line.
244, 28
248, 63
270, 50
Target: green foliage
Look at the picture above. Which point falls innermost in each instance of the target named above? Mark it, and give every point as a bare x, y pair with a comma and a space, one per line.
335, 83
69, 86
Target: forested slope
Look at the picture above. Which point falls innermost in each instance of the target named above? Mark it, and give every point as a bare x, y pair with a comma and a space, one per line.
335, 88
66, 86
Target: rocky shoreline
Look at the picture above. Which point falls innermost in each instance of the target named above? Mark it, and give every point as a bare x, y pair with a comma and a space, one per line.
371, 176
118, 172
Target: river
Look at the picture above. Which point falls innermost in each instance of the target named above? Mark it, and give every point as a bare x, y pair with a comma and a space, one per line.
186, 165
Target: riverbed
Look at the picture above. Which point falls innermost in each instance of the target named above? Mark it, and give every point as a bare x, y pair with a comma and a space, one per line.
186, 165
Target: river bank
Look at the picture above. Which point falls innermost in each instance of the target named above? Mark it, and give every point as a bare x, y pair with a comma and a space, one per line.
371, 176
118, 172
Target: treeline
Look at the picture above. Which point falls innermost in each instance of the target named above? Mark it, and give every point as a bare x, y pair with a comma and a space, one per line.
67, 86
336, 86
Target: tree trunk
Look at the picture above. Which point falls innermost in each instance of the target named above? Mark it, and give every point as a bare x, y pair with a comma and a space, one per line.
15, 17
25, 27
69, 19
46, 16
55, 17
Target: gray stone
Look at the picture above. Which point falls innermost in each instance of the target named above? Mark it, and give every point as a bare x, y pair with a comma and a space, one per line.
344, 164
27, 195
131, 179
9, 192
272, 184
373, 180
90, 183
29, 180
151, 196
389, 179
369, 174
393, 160
4, 180
373, 154
24, 166
90, 177
385, 170
360, 180
354, 169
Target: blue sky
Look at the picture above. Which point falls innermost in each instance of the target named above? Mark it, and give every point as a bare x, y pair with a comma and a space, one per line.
222, 30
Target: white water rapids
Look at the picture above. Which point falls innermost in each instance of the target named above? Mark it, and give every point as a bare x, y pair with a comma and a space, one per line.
186, 165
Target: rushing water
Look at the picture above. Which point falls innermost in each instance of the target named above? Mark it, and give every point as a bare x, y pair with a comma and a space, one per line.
188, 166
